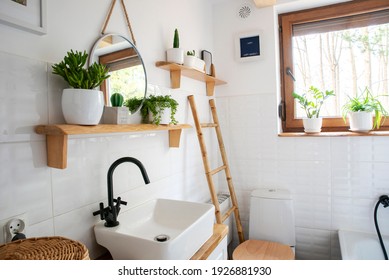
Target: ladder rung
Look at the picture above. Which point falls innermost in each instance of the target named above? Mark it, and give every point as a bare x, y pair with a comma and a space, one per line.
228, 213
212, 172
206, 125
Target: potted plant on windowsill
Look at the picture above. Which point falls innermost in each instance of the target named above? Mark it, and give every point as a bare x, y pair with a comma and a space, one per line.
159, 109
175, 54
81, 103
311, 102
360, 111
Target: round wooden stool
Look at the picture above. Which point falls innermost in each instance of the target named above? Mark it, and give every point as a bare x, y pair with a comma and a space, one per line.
262, 250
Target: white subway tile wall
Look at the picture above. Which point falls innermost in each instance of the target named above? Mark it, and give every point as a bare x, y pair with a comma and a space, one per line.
335, 182
61, 202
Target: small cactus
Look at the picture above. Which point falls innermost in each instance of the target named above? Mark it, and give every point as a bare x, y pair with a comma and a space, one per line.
117, 100
176, 40
192, 53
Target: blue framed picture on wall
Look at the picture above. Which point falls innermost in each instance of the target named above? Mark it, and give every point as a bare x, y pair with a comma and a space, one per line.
248, 46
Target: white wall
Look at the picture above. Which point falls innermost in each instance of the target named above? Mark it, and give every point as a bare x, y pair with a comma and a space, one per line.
335, 182
61, 202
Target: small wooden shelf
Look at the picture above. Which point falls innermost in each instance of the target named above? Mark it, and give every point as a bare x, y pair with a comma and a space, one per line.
177, 70
57, 136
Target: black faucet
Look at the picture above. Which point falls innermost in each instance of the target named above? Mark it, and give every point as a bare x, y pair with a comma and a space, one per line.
110, 213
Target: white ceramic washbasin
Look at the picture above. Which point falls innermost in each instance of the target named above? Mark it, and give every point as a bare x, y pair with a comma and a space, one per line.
187, 225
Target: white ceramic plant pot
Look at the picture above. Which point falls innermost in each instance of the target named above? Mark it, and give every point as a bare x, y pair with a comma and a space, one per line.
312, 125
165, 116
200, 65
82, 106
135, 118
175, 55
194, 62
361, 121
190, 61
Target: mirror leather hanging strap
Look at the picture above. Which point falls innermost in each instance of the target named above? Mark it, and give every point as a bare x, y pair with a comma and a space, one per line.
125, 14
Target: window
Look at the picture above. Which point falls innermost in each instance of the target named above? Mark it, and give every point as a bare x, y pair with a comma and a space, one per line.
342, 47
126, 74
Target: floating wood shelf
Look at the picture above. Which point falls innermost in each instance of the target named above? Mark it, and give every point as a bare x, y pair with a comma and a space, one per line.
177, 70
57, 136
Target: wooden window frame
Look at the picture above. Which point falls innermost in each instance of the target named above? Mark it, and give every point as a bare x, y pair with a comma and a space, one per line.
286, 22
115, 57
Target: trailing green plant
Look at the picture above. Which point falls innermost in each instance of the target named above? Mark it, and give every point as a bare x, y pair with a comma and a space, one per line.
117, 100
192, 53
176, 39
366, 102
72, 69
312, 100
155, 104
133, 104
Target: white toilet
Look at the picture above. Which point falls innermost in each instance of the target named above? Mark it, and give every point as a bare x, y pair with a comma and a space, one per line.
272, 231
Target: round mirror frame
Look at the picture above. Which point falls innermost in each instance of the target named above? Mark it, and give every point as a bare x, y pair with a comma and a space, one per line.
91, 60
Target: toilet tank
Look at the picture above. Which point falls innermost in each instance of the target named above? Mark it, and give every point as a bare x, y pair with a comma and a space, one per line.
272, 216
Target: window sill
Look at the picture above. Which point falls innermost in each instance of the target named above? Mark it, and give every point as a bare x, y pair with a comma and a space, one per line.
333, 134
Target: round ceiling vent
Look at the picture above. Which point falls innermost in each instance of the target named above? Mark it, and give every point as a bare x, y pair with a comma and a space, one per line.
245, 11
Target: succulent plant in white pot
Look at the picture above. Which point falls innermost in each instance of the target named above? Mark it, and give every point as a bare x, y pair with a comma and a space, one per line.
117, 113
312, 101
175, 54
191, 61
81, 103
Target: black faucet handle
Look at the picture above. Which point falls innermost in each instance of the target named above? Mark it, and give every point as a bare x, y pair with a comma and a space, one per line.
120, 201
117, 206
102, 211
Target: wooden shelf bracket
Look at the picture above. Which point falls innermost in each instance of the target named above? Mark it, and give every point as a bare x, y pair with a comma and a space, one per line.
57, 136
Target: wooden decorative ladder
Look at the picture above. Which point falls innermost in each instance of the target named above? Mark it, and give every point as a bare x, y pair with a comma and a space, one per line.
209, 172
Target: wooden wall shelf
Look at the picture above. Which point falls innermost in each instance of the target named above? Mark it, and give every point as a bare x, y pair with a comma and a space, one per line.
57, 136
177, 70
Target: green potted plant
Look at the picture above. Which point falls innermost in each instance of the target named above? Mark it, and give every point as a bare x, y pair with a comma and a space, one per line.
117, 99
175, 54
134, 107
159, 109
133, 104
81, 103
191, 53
190, 59
360, 111
311, 101
116, 113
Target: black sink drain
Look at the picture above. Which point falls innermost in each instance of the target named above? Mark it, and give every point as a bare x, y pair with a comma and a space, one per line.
162, 238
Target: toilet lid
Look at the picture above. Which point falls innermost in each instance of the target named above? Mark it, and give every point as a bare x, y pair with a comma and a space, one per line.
262, 250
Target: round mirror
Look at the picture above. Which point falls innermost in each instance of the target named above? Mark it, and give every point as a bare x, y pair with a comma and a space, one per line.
126, 69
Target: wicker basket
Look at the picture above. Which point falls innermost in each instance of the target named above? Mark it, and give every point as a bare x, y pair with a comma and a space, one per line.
44, 248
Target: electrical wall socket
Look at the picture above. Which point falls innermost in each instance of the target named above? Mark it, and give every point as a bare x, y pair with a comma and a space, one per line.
3, 234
